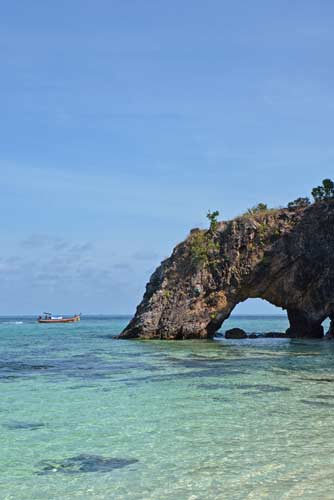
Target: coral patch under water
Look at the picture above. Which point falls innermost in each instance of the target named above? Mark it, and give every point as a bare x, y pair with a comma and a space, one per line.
84, 463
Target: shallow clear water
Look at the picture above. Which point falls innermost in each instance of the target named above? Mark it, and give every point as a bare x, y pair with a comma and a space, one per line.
84, 416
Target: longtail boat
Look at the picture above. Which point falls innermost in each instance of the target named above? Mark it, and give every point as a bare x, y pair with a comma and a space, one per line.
48, 318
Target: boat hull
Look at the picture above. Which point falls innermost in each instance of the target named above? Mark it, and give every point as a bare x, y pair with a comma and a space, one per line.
63, 320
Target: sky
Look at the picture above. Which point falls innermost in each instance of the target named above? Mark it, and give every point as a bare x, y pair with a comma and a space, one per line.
123, 122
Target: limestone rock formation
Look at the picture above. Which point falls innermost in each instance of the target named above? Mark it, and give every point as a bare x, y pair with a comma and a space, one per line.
285, 256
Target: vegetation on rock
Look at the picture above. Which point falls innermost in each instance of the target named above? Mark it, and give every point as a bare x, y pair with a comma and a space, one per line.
202, 248
324, 192
213, 218
203, 245
260, 207
299, 203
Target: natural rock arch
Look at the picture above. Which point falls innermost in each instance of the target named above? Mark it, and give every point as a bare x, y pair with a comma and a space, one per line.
283, 256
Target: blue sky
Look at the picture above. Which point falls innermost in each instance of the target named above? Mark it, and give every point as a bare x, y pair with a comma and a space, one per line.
123, 122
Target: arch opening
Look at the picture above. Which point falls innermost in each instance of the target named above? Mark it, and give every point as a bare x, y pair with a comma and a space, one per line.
328, 326
256, 317
296, 324
257, 307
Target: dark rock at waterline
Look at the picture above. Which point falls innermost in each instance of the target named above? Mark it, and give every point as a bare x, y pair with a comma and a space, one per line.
283, 256
84, 463
270, 335
253, 335
235, 333
276, 335
239, 333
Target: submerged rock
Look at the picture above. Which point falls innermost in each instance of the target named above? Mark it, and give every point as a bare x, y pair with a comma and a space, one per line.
14, 425
83, 463
283, 256
235, 333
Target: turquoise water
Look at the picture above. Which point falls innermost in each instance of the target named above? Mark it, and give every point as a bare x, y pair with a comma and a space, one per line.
84, 416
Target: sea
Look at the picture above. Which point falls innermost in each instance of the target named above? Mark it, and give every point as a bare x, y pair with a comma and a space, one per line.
83, 415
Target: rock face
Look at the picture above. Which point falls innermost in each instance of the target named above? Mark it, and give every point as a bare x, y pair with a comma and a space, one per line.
283, 256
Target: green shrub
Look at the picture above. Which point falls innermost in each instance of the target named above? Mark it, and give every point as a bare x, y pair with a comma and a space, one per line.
202, 246
299, 203
260, 207
328, 186
212, 216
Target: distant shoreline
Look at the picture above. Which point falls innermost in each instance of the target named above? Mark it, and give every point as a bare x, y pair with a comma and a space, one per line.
129, 316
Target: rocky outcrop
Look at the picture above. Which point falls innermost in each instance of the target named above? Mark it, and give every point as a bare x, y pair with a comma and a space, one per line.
283, 256
235, 333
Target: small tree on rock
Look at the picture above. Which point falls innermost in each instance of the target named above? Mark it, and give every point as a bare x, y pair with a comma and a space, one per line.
328, 186
324, 192
213, 218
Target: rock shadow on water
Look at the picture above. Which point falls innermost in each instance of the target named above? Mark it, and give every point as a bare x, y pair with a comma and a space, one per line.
192, 375
8, 378
261, 388
104, 370
108, 336
313, 379
227, 365
84, 463
29, 426
218, 367
323, 404
87, 358
210, 387
195, 362
17, 366
81, 386
221, 399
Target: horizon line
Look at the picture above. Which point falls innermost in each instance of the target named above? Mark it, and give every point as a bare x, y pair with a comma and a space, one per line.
125, 315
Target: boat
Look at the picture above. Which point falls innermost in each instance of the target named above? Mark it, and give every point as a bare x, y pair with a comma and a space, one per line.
48, 318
